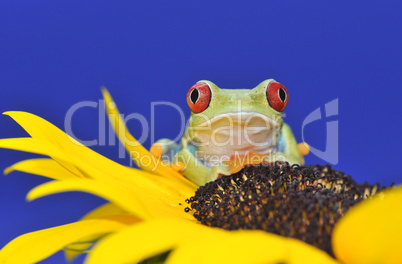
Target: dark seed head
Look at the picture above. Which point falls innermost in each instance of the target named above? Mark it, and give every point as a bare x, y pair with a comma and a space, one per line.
302, 202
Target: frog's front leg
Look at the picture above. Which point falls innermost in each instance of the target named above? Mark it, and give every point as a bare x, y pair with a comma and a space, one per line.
196, 171
165, 149
287, 150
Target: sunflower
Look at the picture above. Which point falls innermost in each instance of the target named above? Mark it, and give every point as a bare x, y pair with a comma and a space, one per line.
145, 215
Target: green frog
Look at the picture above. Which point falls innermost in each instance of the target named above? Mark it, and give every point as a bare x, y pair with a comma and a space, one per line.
230, 123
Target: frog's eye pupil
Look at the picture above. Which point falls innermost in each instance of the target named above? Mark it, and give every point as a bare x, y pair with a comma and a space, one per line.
199, 97
194, 96
282, 94
277, 96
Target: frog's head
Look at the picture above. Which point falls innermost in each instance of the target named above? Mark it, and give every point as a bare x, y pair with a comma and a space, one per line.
207, 101
225, 115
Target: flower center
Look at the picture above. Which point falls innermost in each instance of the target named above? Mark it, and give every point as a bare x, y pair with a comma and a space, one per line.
302, 202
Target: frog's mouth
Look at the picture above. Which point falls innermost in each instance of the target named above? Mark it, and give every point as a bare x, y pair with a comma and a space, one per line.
235, 133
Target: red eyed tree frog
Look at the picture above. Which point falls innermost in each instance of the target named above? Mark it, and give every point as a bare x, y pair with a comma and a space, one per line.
226, 123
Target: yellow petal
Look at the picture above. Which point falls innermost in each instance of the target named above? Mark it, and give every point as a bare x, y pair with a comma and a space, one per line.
59, 146
245, 247
51, 141
132, 145
128, 141
74, 250
104, 210
144, 205
142, 241
195, 243
39, 128
140, 186
56, 142
32, 145
230, 247
35, 246
44, 167
77, 248
300, 252
111, 192
371, 231
42, 147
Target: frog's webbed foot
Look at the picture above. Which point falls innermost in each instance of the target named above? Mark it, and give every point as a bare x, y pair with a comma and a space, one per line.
304, 149
165, 149
295, 157
218, 171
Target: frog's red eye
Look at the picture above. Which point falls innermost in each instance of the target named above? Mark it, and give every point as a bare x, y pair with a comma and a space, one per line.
198, 97
278, 96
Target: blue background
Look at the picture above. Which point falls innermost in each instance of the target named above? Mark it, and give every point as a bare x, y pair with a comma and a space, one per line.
54, 54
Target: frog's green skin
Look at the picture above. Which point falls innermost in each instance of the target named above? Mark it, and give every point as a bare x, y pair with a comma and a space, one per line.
205, 135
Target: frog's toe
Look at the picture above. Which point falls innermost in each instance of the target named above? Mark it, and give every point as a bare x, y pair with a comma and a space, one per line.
217, 172
303, 148
156, 150
178, 166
